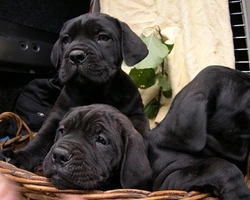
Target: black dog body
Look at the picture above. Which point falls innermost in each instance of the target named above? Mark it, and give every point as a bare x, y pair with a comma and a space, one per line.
175, 170
205, 135
97, 147
210, 116
88, 55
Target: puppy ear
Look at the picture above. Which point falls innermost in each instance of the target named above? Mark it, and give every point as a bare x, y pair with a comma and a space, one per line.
135, 169
56, 54
185, 125
133, 48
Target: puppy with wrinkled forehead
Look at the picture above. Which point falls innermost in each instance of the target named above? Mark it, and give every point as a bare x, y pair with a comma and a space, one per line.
88, 55
97, 147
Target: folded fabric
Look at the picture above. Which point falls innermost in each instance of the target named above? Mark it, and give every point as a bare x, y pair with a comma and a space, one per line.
200, 31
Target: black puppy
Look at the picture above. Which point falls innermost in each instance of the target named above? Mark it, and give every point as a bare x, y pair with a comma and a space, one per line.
205, 135
97, 147
88, 55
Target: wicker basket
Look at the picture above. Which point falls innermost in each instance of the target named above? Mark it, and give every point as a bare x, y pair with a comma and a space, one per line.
37, 187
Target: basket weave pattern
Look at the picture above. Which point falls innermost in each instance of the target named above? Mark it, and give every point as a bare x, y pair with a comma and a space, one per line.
36, 187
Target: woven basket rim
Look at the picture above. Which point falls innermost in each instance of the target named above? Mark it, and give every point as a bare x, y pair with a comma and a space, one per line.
35, 187
38, 187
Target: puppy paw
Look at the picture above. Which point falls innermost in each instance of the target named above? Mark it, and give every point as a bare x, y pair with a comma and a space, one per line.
20, 159
6, 155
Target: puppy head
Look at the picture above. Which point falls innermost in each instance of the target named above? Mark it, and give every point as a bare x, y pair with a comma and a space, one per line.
97, 148
91, 48
210, 115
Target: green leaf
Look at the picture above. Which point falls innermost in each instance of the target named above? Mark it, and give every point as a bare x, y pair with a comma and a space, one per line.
157, 52
152, 108
170, 47
167, 94
143, 78
164, 84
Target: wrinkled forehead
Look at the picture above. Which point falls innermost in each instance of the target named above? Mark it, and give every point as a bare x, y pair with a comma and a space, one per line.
92, 22
84, 118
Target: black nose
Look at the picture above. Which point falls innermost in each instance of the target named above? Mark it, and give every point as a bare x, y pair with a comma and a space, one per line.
77, 56
61, 156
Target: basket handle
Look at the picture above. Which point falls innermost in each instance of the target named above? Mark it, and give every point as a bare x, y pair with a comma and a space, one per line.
20, 123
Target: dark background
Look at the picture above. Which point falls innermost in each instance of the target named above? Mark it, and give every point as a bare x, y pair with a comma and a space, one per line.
47, 15
35, 23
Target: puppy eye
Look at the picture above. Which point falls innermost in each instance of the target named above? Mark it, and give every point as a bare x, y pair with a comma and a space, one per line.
103, 37
59, 133
102, 140
60, 130
65, 39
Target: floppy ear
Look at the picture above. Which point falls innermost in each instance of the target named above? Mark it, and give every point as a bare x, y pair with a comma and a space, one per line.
191, 126
185, 125
133, 48
56, 54
135, 169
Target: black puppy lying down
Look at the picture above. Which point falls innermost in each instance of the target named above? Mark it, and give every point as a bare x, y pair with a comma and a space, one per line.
203, 141
97, 147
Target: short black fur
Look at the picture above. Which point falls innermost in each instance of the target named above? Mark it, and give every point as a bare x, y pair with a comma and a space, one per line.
203, 141
88, 55
97, 147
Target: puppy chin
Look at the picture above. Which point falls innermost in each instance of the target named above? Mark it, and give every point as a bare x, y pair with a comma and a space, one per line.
66, 76
57, 178
63, 184
88, 78
63, 178
91, 73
